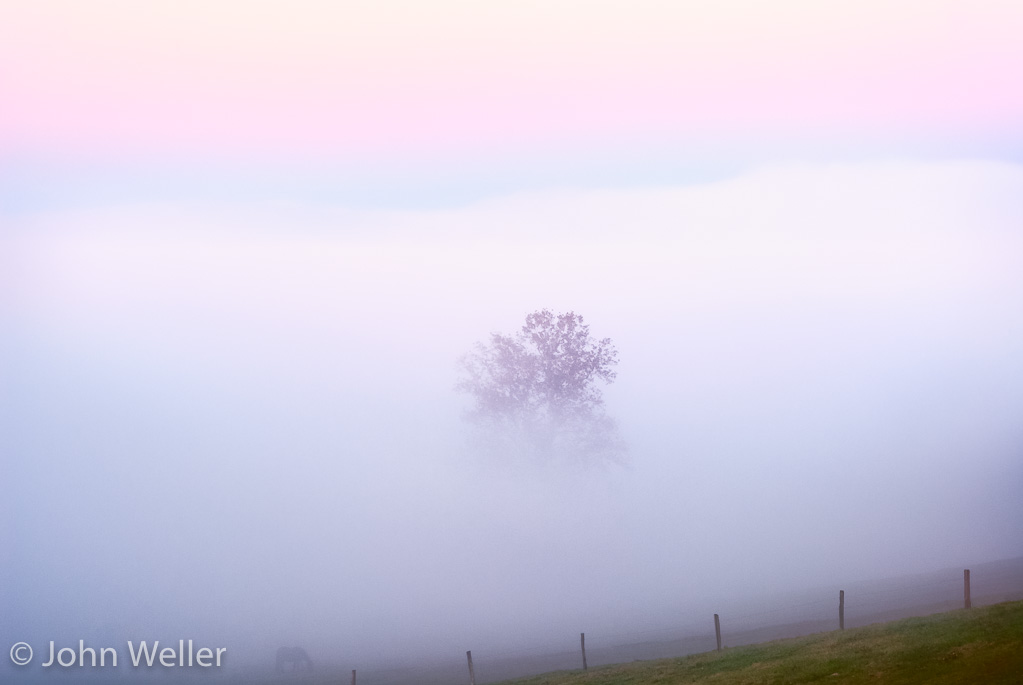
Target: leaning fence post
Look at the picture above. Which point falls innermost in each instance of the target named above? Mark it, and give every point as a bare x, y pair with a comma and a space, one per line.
966, 588
472, 674
353, 676
582, 643
841, 609
717, 630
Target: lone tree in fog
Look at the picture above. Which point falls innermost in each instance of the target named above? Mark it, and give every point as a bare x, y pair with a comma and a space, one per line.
536, 392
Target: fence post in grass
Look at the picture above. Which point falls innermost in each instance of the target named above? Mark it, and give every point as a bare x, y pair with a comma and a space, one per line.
966, 588
353, 676
717, 630
841, 609
472, 674
582, 643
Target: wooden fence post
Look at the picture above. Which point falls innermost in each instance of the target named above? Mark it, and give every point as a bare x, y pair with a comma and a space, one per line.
717, 630
966, 588
841, 609
472, 674
582, 642
353, 676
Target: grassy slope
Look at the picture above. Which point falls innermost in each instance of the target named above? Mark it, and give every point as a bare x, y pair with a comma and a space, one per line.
982, 645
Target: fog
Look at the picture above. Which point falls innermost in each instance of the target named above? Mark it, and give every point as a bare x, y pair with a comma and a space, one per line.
239, 423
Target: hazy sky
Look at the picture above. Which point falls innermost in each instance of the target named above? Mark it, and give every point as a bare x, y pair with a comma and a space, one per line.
242, 248
407, 103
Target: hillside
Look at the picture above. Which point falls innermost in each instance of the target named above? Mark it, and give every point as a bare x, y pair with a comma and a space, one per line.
982, 645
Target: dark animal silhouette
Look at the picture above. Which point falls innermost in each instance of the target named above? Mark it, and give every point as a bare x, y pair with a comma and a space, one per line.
296, 656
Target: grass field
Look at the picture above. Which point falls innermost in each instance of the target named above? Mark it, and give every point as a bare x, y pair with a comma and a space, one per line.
981, 645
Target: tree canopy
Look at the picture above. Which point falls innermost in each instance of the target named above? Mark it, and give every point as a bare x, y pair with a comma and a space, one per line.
536, 395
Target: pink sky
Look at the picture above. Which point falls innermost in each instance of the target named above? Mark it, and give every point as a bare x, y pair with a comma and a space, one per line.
120, 79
